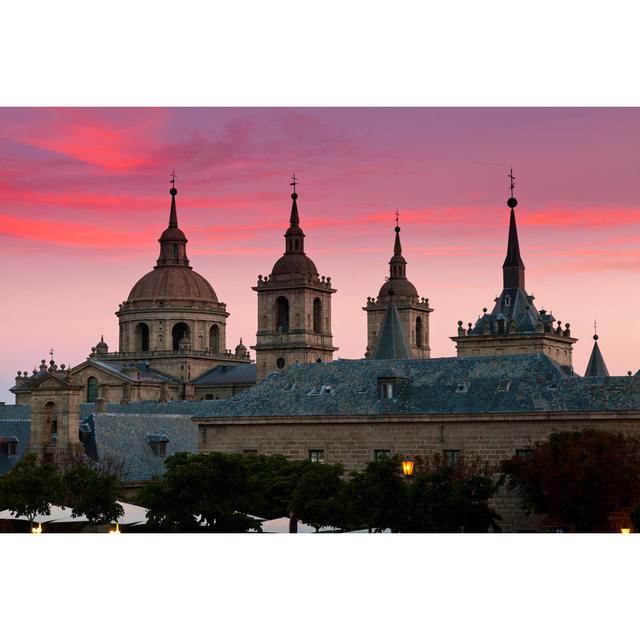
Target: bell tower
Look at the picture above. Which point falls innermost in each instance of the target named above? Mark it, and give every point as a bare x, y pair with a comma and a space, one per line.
294, 307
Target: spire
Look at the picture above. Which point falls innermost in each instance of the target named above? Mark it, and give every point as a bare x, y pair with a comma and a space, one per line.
392, 344
513, 267
596, 366
294, 237
173, 249
397, 264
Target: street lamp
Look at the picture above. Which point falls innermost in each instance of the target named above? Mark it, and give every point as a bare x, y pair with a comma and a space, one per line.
37, 529
407, 468
116, 530
625, 530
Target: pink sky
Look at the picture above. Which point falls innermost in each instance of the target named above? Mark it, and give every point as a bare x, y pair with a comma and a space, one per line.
84, 196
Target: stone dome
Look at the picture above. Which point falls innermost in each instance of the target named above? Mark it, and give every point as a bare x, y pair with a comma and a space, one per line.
400, 286
294, 263
172, 283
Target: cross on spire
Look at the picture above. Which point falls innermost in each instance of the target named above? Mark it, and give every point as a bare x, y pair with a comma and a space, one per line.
173, 179
294, 182
512, 180
51, 353
397, 218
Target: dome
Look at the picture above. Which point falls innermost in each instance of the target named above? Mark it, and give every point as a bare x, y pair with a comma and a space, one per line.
400, 286
294, 264
172, 234
172, 283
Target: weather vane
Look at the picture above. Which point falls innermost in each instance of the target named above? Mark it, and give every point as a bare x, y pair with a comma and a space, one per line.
512, 180
51, 353
173, 179
595, 327
294, 182
397, 217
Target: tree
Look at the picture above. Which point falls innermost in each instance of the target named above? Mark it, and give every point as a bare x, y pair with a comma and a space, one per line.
206, 492
30, 489
377, 496
273, 480
92, 492
319, 498
580, 477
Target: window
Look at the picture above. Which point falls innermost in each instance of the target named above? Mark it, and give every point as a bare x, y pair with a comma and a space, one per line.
507, 301
386, 390
381, 454
50, 421
175, 251
282, 315
316, 455
179, 331
462, 387
9, 447
280, 363
158, 443
214, 339
12, 449
452, 456
317, 316
419, 332
92, 389
503, 386
142, 337
208, 396
162, 449
523, 453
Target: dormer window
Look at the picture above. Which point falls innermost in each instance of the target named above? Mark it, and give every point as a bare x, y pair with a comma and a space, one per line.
387, 390
462, 387
503, 386
158, 443
9, 447
507, 301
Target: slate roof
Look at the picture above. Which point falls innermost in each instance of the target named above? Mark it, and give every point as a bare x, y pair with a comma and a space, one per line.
596, 366
244, 373
15, 423
126, 439
145, 373
474, 385
391, 344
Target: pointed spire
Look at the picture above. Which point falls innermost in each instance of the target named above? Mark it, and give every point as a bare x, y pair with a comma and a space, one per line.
513, 267
392, 344
397, 264
294, 237
173, 250
596, 366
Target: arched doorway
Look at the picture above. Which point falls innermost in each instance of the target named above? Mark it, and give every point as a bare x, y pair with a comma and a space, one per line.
142, 337
179, 331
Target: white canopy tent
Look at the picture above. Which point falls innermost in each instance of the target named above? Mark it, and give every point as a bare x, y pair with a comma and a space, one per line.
281, 525
133, 514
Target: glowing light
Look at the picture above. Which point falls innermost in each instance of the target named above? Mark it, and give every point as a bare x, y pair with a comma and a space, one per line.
625, 530
116, 530
37, 529
407, 467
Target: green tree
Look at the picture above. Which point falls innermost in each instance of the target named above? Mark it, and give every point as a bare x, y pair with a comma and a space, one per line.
581, 477
201, 493
319, 498
273, 480
93, 492
30, 489
377, 496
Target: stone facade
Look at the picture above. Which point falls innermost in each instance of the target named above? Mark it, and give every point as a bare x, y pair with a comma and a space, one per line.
294, 308
413, 310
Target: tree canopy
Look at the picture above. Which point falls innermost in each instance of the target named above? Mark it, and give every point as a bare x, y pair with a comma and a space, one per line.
580, 477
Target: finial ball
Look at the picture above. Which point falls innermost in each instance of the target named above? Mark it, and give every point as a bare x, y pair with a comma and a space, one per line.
397, 229
512, 203
595, 337
294, 196
173, 191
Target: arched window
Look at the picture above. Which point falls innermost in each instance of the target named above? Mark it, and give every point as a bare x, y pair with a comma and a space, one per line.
282, 315
50, 421
92, 389
214, 339
419, 332
142, 337
317, 316
179, 331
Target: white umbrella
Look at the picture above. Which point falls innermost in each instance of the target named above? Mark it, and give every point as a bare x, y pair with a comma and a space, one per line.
58, 514
133, 514
281, 525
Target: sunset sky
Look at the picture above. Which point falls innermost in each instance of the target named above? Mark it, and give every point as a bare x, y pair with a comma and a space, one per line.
84, 198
